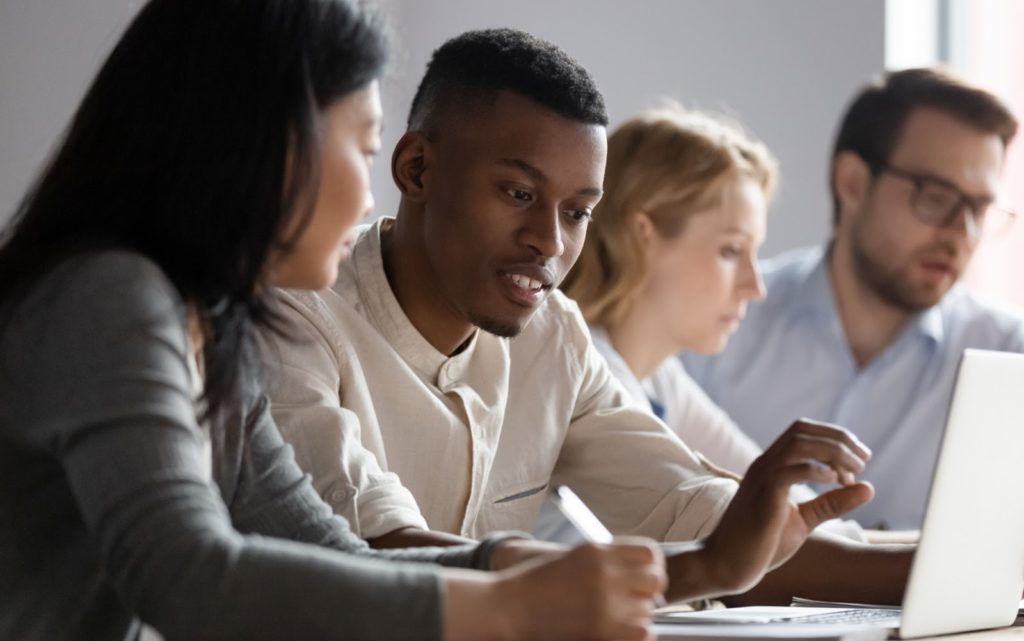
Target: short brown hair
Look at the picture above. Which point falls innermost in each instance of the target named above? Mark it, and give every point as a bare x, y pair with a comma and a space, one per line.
670, 164
874, 120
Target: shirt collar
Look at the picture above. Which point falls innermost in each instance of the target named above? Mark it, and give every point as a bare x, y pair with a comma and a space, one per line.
815, 297
814, 294
386, 314
929, 322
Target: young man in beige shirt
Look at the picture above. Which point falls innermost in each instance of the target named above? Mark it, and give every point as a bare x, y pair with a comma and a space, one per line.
447, 383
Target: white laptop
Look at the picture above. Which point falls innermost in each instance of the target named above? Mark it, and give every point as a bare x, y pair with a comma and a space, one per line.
968, 572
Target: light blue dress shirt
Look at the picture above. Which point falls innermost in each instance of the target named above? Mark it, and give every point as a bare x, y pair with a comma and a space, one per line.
790, 359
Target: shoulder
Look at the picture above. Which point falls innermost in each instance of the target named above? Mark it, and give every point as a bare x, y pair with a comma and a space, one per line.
671, 374
785, 278
556, 330
674, 388
120, 270
322, 309
108, 289
98, 331
560, 316
602, 343
788, 270
332, 315
982, 323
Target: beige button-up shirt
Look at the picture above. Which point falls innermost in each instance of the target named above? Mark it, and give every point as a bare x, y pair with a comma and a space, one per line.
397, 434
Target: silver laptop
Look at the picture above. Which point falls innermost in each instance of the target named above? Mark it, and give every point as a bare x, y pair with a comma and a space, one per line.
968, 572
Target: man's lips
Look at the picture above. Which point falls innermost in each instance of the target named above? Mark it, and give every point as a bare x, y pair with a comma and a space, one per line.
939, 267
526, 284
940, 259
529, 275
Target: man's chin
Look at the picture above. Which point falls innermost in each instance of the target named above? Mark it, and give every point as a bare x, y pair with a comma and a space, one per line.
505, 328
916, 299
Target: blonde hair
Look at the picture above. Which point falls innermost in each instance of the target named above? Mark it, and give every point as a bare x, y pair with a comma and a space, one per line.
668, 163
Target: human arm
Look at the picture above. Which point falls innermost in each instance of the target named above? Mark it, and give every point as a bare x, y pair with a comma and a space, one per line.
198, 556
762, 527
415, 537
626, 465
303, 380
706, 428
107, 398
833, 568
594, 591
509, 552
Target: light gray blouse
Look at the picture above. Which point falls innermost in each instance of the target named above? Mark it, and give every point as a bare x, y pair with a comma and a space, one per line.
108, 512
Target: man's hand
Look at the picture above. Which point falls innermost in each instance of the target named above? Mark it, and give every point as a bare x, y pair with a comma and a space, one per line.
762, 527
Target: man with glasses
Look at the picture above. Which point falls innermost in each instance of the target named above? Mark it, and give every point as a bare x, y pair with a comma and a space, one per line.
867, 331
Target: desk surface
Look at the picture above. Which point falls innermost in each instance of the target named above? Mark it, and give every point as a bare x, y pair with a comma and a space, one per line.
1016, 633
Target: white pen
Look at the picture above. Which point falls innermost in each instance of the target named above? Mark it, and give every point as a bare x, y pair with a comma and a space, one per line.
585, 522
580, 516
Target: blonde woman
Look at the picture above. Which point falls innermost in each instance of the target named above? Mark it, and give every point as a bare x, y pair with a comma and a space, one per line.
670, 263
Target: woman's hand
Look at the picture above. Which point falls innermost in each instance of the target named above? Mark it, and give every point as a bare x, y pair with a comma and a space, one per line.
590, 592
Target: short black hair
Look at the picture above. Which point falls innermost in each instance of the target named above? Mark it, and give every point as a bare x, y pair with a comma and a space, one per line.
874, 120
479, 64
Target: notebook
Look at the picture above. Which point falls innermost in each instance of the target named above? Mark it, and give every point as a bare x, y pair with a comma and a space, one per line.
968, 572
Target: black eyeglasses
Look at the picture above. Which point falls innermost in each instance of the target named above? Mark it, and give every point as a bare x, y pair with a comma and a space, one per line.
938, 202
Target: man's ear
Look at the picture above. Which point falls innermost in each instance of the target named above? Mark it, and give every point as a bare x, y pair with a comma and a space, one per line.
852, 179
410, 164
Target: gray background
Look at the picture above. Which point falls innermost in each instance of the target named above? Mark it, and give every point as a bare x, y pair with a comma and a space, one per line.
784, 67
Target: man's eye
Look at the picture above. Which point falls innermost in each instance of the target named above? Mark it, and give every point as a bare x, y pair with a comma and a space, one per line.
937, 197
579, 215
730, 251
519, 194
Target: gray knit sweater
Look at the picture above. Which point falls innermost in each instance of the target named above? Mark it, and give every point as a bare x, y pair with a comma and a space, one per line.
108, 513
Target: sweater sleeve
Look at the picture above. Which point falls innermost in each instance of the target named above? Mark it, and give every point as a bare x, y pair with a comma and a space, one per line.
108, 396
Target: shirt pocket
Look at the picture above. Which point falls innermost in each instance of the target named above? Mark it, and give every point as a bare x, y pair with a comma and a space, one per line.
523, 494
514, 506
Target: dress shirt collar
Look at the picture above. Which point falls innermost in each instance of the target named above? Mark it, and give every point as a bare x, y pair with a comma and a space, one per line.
814, 297
386, 313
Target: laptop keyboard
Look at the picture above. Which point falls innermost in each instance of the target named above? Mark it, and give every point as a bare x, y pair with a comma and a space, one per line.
851, 616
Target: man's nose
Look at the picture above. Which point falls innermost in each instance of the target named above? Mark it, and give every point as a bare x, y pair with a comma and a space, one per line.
542, 231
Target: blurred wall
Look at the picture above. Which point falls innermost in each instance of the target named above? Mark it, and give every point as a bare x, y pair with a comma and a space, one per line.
784, 67
49, 52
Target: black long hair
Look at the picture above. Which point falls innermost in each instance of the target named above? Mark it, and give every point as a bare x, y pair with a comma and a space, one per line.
179, 152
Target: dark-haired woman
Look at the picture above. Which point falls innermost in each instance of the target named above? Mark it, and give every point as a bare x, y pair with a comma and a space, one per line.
222, 149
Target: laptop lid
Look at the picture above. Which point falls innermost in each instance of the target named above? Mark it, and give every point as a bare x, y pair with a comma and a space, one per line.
968, 572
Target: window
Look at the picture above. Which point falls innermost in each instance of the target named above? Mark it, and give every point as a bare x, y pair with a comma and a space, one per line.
980, 41
987, 49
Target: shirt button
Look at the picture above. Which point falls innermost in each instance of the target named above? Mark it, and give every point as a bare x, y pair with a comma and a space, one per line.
451, 372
